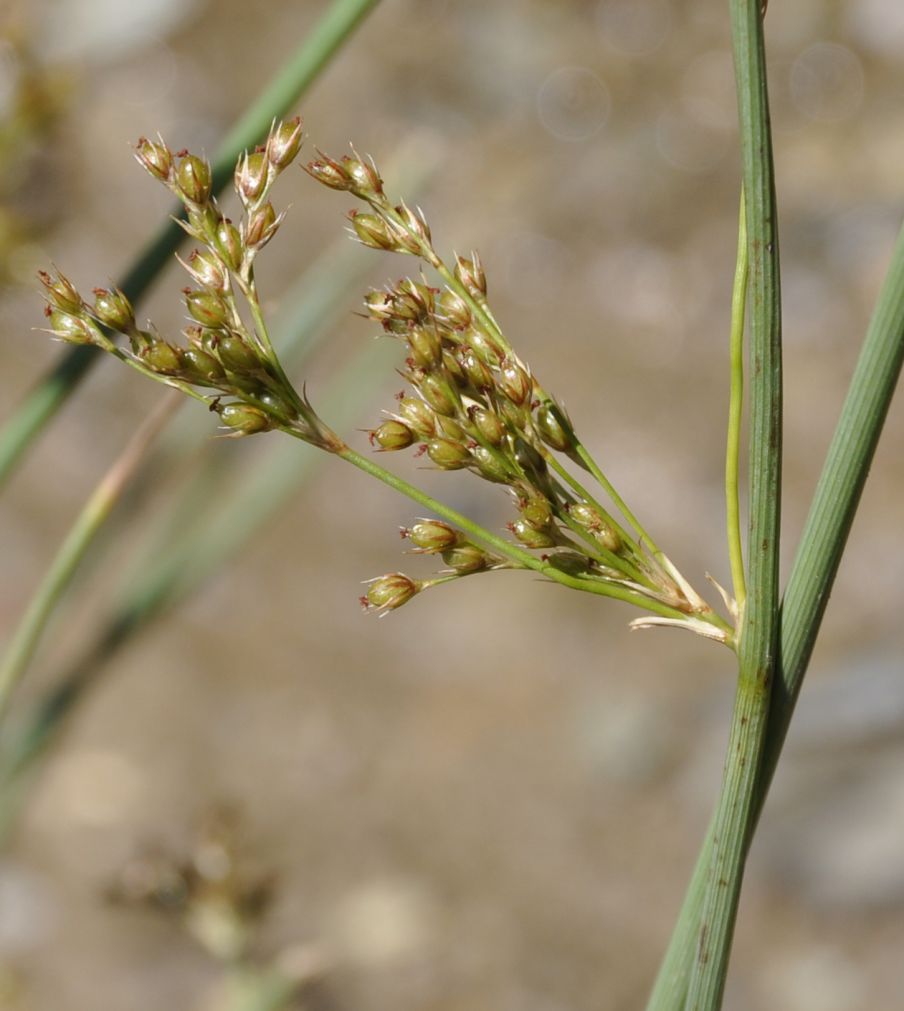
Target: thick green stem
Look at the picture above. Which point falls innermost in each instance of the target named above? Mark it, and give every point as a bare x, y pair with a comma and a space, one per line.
736, 808
292, 80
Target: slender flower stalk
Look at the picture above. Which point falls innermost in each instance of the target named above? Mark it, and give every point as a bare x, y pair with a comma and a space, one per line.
735, 414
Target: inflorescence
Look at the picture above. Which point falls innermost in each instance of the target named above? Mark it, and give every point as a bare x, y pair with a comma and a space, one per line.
472, 403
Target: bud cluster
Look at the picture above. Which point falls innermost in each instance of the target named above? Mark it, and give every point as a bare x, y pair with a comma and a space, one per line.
220, 359
474, 405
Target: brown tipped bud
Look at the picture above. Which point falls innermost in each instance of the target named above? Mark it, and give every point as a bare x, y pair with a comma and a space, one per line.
439, 393
284, 143
193, 179
514, 382
553, 429
251, 175
516, 416
490, 465
449, 428
200, 367
488, 424
418, 415
414, 300
162, 358
588, 517
157, 159
237, 355
414, 223
426, 346
207, 308
392, 435
479, 376
470, 273
261, 226
465, 558
208, 271
484, 346
61, 292
390, 591
433, 535
529, 536
537, 512
113, 309
363, 177
454, 310
328, 172
373, 231
72, 329
244, 418
447, 454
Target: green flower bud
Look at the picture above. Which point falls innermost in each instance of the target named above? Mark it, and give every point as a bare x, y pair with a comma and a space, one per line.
390, 591
439, 393
530, 537
193, 179
237, 356
72, 329
551, 429
162, 358
488, 424
418, 299
277, 405
61, 292
448, 455
589, 518
484, 346
453, 368
490, 465
229, 244
426, 346
380, 305
372, 231
261, 226
200, 367
284, 143
208, 308
157, 159
479, 376
454, 310
113, 309
414, 222
569, 562
392, 434
514, 382
465, 558
418, 415
208, 271
451, 429
251, 175
537, 512
433, 535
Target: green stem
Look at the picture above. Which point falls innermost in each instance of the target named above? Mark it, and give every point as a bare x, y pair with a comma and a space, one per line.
735, 411
736, 808
79, 539
812, 575
516, 554
290, 83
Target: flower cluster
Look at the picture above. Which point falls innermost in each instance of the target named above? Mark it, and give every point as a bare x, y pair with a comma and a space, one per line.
222, 360
474, 405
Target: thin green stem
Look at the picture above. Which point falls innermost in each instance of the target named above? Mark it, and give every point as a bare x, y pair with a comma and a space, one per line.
735, 413
292, 80
79, 539
513, 552
757, 645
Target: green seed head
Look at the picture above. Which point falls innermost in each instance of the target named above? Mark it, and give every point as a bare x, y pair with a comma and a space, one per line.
530, 537
61, 292
465, 558
157, 159
229, 244
490, 465
552, 430
208, 271
372, 231
200, 367
484, 346
392, 434
284, 143
433, 535
454, 310
72, 329
237, 356
418, 415
537, 512
426, 346
208, 308
439, 393
251, 175
364, 179
488, 424
261, 226
448, 455
244, 418
329, 172
193, 179
162, 358
470, 273
113, 309
514, 382
390, 591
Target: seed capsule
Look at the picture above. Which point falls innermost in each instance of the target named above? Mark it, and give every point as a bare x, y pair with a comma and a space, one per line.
207, 308
261, 226
251, 176
244, 418
490, 465
229, 244
465, 558
72, 329
470, 274
372, 231
484, 346
418, 415
537, 512
448, 455
514, 382
454, 310
237, 356
201, 367
433, 535
207, 271
439, 393
157, 159
284, 143
488, 424
113, 309
61, 292
426, 346
364, 179
551, 429
530, 537
392, 435
162, 357
193, 179
390, 591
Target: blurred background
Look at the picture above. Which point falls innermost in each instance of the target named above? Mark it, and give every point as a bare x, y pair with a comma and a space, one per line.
494, 797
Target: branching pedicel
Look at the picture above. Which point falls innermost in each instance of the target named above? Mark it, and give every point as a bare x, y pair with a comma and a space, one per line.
474, 404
